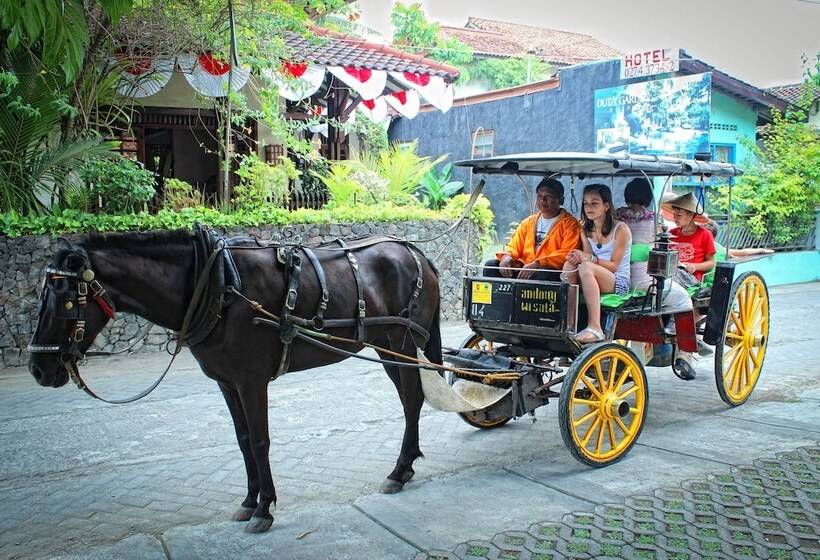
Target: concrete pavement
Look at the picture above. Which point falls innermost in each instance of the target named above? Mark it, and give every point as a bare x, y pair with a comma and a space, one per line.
158, 479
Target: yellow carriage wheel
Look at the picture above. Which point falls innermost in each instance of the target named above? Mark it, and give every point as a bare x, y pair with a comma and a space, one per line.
603, 404
740, 352
477, 342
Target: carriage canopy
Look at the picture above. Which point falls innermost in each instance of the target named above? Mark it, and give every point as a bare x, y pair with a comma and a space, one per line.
597, 165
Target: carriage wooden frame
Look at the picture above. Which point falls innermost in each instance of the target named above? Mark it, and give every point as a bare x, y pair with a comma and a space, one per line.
602, 388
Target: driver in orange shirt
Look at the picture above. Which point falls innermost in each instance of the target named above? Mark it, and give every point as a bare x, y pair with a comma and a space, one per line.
541, 241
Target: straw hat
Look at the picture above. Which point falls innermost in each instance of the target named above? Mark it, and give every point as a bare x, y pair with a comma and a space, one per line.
686, 202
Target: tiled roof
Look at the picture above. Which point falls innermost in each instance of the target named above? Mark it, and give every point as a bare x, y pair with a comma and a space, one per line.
560, 47
337, 49
793, 92
484, 42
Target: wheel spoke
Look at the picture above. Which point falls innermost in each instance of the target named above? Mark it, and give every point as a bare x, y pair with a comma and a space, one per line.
592, 388
600, 441
627, 432
629, 391
585, 418
736, 320
599, 375
613, 370
590, 431
586, 402
611, 428
733, 336
622, 378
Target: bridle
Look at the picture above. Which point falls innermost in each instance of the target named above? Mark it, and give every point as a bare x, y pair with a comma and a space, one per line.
72, 307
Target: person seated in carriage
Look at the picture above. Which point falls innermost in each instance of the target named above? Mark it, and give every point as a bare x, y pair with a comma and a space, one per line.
695, 244
541, 241
602, 266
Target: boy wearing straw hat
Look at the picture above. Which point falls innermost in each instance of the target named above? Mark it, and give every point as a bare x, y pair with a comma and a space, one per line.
696, 254
695, 245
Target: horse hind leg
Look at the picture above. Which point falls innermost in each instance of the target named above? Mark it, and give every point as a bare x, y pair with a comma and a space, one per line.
408, 384
249, 504
254, 400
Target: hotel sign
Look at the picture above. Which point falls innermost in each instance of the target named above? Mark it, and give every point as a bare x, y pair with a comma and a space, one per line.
649, 63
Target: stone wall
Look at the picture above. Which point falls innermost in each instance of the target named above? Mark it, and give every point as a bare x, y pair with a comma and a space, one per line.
23, 259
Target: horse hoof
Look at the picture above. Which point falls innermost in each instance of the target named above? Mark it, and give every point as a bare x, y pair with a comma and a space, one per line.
258, 524
242, 514
391, 486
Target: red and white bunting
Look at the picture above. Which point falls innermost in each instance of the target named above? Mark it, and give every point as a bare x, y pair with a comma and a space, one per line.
143, 76
297, 80
373, 109
209, 75
368, 83
433, 89
405, 102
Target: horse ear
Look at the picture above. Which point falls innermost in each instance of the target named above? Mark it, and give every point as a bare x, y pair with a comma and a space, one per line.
63, 243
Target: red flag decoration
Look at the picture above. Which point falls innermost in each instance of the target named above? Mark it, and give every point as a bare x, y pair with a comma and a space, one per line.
405, 102
369, 84
297, 80
209, 75
433, 89
143, 76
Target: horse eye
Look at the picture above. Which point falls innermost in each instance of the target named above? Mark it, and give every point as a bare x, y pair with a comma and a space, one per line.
74, 262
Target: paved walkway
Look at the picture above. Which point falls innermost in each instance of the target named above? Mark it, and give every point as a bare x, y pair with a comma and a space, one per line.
158, 478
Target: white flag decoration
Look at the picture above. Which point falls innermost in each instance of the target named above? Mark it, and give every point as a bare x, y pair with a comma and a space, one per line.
368, 83
433, 89
298, 80
143, 76
209, 75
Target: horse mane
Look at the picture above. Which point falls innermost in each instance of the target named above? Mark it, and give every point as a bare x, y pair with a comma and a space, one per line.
156, 238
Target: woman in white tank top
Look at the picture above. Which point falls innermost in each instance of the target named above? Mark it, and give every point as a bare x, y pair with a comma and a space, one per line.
603, 265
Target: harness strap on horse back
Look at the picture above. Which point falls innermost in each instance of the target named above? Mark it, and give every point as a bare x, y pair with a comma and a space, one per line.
361, 307
287, 332
319, 319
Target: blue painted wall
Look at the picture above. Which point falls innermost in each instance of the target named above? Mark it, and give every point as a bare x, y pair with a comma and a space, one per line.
560, 119
785, 268
731, 120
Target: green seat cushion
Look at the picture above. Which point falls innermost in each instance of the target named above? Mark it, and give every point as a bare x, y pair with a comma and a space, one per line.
614, 301
639, 252
721, 255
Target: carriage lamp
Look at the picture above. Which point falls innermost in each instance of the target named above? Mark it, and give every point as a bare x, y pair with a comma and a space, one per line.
663, 260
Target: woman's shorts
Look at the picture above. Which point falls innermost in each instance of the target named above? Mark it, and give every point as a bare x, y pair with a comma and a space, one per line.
621, 285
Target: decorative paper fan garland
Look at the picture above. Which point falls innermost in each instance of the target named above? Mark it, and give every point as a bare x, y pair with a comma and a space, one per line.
369, 84
298, 80
143, 76
405, 102
374, 109
433, 88
209, 75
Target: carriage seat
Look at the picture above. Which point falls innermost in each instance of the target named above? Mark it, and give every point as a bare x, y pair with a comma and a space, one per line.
640, 253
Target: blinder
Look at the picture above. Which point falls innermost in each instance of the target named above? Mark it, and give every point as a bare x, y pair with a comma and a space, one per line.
72, 290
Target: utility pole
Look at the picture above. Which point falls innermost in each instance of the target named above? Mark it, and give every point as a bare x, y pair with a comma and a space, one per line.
226, 177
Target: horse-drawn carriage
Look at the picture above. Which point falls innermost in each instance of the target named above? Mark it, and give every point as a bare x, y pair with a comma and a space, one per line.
523, 342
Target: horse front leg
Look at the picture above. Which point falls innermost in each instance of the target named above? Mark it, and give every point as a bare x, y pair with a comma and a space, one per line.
408, 384
240, 425
255, 404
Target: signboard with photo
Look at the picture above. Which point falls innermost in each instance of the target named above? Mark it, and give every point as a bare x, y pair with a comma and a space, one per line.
658, 117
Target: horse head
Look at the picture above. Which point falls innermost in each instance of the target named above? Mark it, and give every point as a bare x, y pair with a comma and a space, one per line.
74, 308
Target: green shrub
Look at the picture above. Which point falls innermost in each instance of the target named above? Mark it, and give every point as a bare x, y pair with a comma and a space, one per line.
178, 194
261, 184
343, 189
436, 188
123, 185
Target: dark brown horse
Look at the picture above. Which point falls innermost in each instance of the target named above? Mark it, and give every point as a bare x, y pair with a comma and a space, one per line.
153, 275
